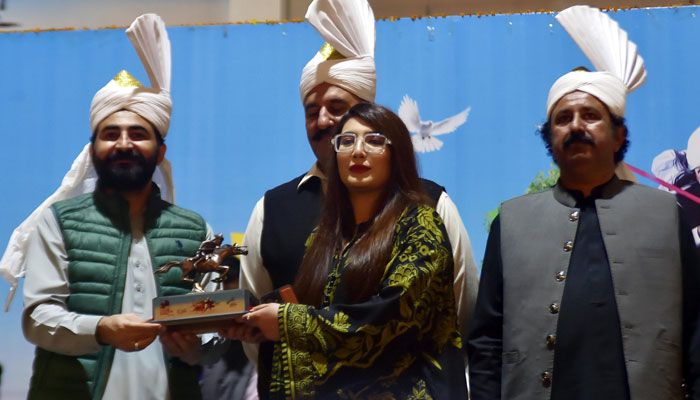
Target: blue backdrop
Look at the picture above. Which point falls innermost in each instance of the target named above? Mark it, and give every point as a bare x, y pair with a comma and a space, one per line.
238, 127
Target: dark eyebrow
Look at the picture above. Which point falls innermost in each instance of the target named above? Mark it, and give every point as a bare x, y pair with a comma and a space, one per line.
338, 101
334, 101
130, 127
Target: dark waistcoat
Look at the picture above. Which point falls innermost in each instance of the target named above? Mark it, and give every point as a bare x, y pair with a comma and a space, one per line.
639, 226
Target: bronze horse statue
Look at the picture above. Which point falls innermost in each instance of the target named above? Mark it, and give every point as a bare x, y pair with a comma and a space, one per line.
208, 259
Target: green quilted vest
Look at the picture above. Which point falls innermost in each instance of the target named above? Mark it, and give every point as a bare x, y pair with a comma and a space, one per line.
97, 237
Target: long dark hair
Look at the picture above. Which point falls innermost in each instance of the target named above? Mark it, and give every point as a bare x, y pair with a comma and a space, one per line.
369, 256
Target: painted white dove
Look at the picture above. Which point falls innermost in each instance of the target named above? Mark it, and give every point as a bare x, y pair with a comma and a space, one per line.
425, 131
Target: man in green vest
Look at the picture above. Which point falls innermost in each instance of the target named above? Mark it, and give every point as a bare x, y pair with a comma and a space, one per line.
90, 258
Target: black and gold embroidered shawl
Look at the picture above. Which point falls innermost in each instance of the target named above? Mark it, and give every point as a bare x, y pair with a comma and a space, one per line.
402, 343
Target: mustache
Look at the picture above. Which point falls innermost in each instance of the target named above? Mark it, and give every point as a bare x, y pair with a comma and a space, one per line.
125, 155
577, 137
321, 133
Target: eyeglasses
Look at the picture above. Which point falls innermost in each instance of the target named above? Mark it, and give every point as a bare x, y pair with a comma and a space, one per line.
373, 142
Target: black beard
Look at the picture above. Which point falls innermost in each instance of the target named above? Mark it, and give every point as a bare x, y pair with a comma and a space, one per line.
125, 177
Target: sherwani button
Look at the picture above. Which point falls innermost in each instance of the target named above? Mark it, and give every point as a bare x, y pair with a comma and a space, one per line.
568, 245
554, 308
561, 275
551, 340
574, 216
546, 378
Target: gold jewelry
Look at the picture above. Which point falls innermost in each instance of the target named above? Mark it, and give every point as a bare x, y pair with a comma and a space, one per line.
136, 346
329, 53
124, 79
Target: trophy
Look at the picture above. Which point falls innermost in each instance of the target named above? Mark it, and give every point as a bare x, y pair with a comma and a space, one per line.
200, 311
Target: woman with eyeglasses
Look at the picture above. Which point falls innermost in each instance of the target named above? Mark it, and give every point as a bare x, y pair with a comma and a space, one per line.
376, 318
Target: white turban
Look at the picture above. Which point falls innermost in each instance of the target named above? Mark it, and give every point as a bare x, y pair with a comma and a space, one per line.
693, 152
126, 93
605, 86
620, 68
150, 39
347, 58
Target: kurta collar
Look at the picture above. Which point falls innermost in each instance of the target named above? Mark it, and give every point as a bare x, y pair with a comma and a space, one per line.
606, 191
314, 172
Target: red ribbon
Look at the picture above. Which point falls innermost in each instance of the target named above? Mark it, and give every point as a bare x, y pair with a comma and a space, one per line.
665, 184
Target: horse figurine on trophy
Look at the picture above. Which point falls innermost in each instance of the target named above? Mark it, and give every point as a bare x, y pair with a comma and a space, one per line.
207, 259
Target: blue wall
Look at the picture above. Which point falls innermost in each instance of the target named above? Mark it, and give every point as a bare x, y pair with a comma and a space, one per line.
238, 128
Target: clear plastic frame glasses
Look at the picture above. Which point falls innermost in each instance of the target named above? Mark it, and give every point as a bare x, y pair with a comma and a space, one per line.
373, 142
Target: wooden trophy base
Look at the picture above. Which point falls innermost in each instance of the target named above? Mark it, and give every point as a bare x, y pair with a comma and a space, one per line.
202, 312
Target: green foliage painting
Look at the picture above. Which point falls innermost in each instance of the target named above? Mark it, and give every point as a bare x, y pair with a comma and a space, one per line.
540, 183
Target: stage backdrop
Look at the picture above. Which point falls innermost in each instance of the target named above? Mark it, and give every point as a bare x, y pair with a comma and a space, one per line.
238, 127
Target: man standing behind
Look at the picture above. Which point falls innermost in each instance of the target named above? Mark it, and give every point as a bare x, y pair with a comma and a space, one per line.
90, 259
339, 76
589, 290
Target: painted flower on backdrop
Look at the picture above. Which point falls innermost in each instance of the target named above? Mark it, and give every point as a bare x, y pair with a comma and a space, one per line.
424, 132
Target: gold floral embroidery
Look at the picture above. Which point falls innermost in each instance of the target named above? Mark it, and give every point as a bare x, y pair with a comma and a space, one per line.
420, 392
415, 305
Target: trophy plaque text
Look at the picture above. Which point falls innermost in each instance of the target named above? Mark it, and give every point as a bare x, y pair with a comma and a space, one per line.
202, 312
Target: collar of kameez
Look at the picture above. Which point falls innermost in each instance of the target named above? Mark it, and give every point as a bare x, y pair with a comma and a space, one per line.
608, 190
